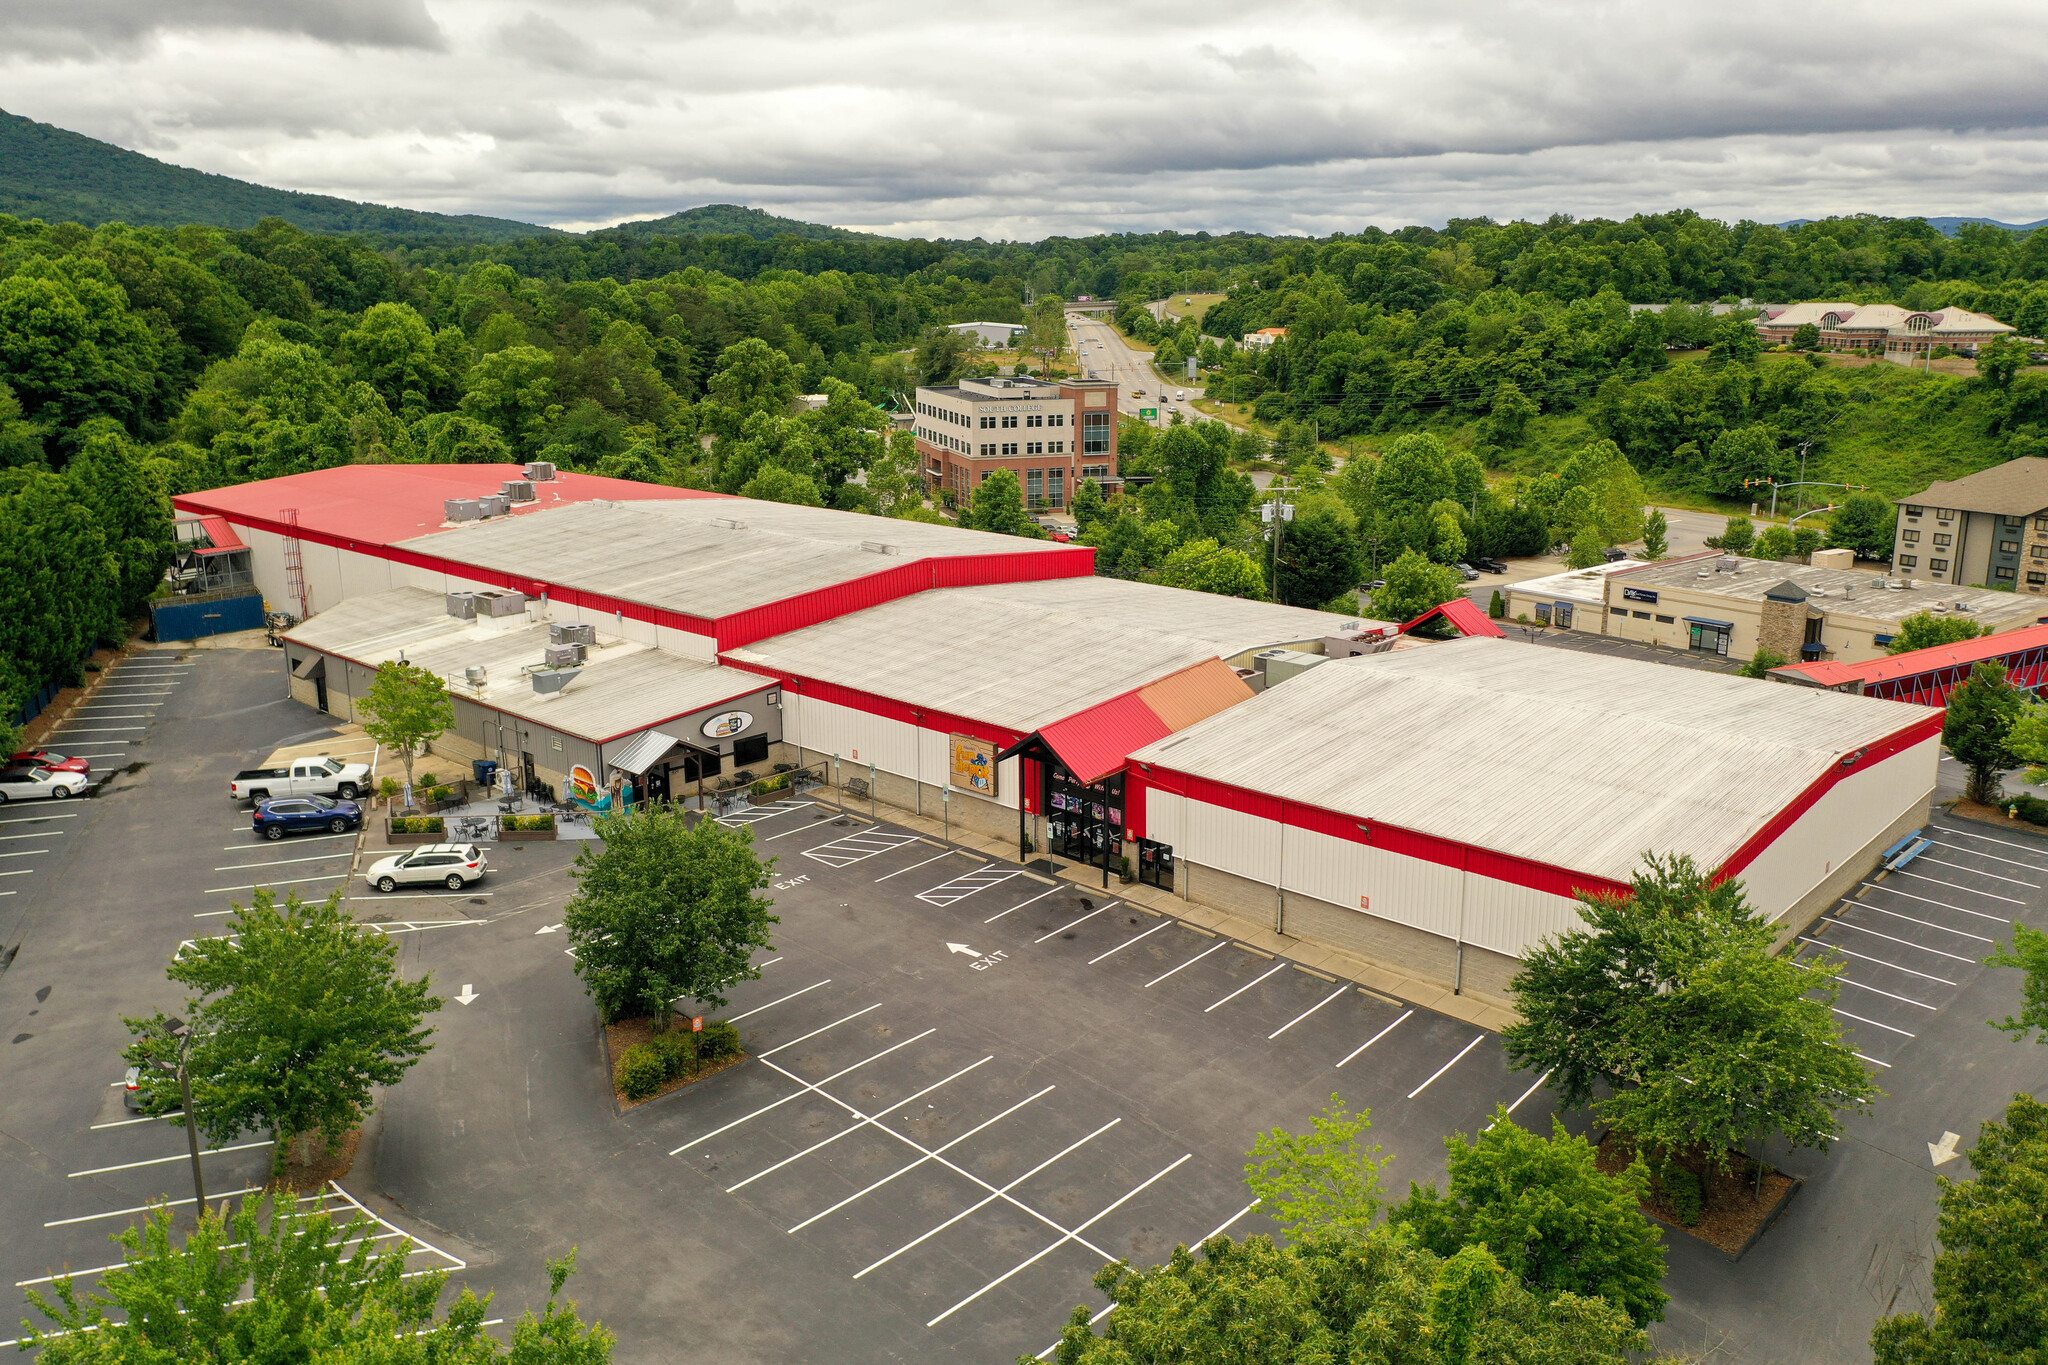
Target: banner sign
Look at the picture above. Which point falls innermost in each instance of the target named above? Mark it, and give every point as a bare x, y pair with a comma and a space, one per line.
1639, 595
973, 764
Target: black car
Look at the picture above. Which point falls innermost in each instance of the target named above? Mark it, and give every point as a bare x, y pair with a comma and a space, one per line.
1615, 554
1488, 564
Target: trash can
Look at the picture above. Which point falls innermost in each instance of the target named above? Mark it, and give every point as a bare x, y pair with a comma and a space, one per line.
484, 770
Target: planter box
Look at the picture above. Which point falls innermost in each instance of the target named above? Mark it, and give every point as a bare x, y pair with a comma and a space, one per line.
522, 836
401, 840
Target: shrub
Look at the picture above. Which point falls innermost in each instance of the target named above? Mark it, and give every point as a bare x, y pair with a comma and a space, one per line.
443, 794
418, 824
643, 1069
718, 1041
428, 781
2031, 809
388, 788
516, 822
678, 1049
1678, 1189
771, 784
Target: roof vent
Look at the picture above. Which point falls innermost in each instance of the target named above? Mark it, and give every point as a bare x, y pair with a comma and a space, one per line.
729, 523
462, 604
1703, 572
494, 504
476, 676
540, 471
1964, 606
1939, 607
461, 509
547, 682
518, 490
881, 547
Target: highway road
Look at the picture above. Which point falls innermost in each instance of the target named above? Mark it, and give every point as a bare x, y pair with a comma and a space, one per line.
1105, 355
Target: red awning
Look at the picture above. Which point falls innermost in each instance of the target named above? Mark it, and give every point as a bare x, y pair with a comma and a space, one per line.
1096, 742
1464, 614
221, 534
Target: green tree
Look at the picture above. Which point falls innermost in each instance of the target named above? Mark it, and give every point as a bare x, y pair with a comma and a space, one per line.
513, 390
998, 506
1507, 422
1413, 585
1496, 607
71, 348
775, 484
895, 480
392, 349
1446, 538
753, 377
1738, 537
1045, 332
265, 1285
1656, 535
1413, 474
942, 355
1925, 630
1545, 1210
1761, 663
1205, 566
666, 911
406, 709
1991, 1274
1774, 544
1978, 726
1806, 337
2001, 361
1589, 548
458, 438
1319, 559
110, 476
1325, 1179
1865, 523
2029, 953
300, 1014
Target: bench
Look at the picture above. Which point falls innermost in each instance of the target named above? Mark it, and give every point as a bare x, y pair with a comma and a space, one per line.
1905, 851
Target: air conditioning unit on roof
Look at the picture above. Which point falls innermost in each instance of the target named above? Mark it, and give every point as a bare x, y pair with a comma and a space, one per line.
494, 504
518, 490
540, 471
461, 509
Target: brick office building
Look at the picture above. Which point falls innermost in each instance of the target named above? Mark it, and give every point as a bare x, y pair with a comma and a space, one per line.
1051, 433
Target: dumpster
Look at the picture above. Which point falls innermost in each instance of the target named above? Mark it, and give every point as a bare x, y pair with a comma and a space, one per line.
485, 770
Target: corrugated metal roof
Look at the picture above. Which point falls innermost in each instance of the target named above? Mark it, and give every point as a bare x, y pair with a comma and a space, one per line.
707, 558
1832, 674
1195, 694
1463, 613
640, 755
1578, 760
221, 534
1094, 743
1022, 655
623, 688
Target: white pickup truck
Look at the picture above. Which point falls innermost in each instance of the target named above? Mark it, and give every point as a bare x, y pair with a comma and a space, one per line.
302, 777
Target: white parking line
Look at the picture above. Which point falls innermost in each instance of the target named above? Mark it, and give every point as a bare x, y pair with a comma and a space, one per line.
2009, 862
1020, 905
921, 1160
1989, 839
166, 1160
1924, 923
296, 838
1864, 957
912, 868
289, 881
1874, 1062
1163, 924
1936, 881
282, 862
773, 1003
31, 819
1975, 872
1221, 1228
1064, 927
1446, 1066
39, 834
1874, 1024
1246, 986
965, 885
145, 1208
26, 852
856, 1127
22, 873
1518, 1099
849, 849
1902, 999
129, 1123
95, 730
1306, 1013
1219, 943
994, 1194
1377, 1036
1953, 957
1075, 1235
125, 715
786, 1098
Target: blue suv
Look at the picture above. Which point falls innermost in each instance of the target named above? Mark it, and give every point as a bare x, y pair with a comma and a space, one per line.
294, 814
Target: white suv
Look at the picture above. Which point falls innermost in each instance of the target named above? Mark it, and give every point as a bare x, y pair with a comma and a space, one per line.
452, 865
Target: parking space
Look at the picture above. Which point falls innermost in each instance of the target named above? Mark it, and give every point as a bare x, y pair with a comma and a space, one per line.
1912, 941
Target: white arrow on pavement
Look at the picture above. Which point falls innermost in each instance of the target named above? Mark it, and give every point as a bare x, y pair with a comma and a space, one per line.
548, 930
468, 993
1944, 1151
961, 948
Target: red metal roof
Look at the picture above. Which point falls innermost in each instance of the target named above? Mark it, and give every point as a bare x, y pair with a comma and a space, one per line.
221, 534
1094, 743
1829, 673
1461, 612
382, 504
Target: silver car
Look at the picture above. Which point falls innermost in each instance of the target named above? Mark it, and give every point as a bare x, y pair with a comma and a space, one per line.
451, 865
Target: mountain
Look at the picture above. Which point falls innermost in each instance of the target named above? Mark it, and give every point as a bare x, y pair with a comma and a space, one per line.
733, 219
61, 176
1947, 227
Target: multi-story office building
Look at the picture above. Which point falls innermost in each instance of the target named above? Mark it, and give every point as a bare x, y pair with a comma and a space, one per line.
1988, 529
1052, 433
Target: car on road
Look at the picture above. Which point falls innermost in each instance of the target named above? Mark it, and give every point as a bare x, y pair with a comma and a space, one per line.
43, 758
1137, 393
1488, 564
320, 776
451, 865
1376, 585
1180, 395
291, 814
30, 781
1466, 571
1615, 554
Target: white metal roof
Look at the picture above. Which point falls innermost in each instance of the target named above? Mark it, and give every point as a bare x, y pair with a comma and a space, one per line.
1578, 760
623, 687
1573, 585
706, 557
1022, 655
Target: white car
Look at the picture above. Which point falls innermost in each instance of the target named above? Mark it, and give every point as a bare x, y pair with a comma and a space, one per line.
27, 782
1181, 396
452, 865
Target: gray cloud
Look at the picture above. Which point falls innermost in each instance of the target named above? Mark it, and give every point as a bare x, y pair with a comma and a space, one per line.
82, 29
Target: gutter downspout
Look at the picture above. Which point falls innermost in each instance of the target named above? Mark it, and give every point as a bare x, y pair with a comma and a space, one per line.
1464, 889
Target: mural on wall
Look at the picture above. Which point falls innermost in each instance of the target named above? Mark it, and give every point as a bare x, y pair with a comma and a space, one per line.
974, 765
584, 791
727, 724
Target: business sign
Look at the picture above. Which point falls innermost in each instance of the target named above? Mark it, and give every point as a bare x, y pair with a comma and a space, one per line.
1149, 414
1639, 595
973, 764
727, 725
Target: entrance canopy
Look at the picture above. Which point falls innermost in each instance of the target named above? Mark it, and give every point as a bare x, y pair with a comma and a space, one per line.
644, 752
1463, 613
1094, 743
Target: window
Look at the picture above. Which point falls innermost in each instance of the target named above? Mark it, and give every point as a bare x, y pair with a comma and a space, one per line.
1095, 433
1094, 471
1944, 514
1617, 611
752, 749
2041, 524
1056, 486
1937, 566
1666, 620
1009, 421
2008, 547
1708, 639
1009, 448
2035, 578
988, 424
1057, 419
1034, 487
1642, 616
1943, 538
1543, 612
1055, 447
1034, 447
2014, 522
1913, 511
2038, 551
988, 450
1911, 537
1034, 420
1909, 561
2004, 571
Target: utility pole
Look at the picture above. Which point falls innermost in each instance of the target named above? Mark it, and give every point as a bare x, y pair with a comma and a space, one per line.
1279, 512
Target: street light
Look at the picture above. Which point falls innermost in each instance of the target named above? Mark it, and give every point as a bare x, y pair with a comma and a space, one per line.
182, 1031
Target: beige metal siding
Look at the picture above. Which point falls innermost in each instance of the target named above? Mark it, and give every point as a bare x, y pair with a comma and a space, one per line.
1837, 826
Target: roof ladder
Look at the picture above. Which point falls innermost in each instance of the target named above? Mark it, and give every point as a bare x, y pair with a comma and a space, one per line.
294, 562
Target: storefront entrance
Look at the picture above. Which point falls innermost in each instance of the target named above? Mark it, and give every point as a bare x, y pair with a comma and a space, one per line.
1084, 822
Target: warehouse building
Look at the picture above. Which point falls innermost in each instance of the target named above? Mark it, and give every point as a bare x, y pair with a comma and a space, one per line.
1439, 807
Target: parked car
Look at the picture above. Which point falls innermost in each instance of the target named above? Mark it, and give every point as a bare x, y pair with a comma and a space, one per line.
1376, 585
43, 758
29, 781
291, 814
302, 777
1466, 571
452, 865
1488, 564
1615, 554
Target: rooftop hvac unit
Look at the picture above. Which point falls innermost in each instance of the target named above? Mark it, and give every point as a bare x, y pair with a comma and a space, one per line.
476, 676
1964, 606
462, 604
494, 504
540, 471
563, 656
500, 603
462, 509
881, 547
518, 490
572, 633
1729, 564
548, 682
1281, 664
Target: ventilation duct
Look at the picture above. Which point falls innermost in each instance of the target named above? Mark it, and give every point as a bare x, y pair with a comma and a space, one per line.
550, 681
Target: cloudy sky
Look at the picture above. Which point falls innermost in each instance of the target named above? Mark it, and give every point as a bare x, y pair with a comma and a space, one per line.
1022, 121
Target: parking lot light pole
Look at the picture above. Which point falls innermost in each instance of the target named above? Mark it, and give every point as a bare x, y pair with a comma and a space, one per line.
182, 1031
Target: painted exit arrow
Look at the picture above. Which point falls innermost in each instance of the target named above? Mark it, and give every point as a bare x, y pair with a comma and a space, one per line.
961, 948
1944, 1151
468, 993
548, 930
